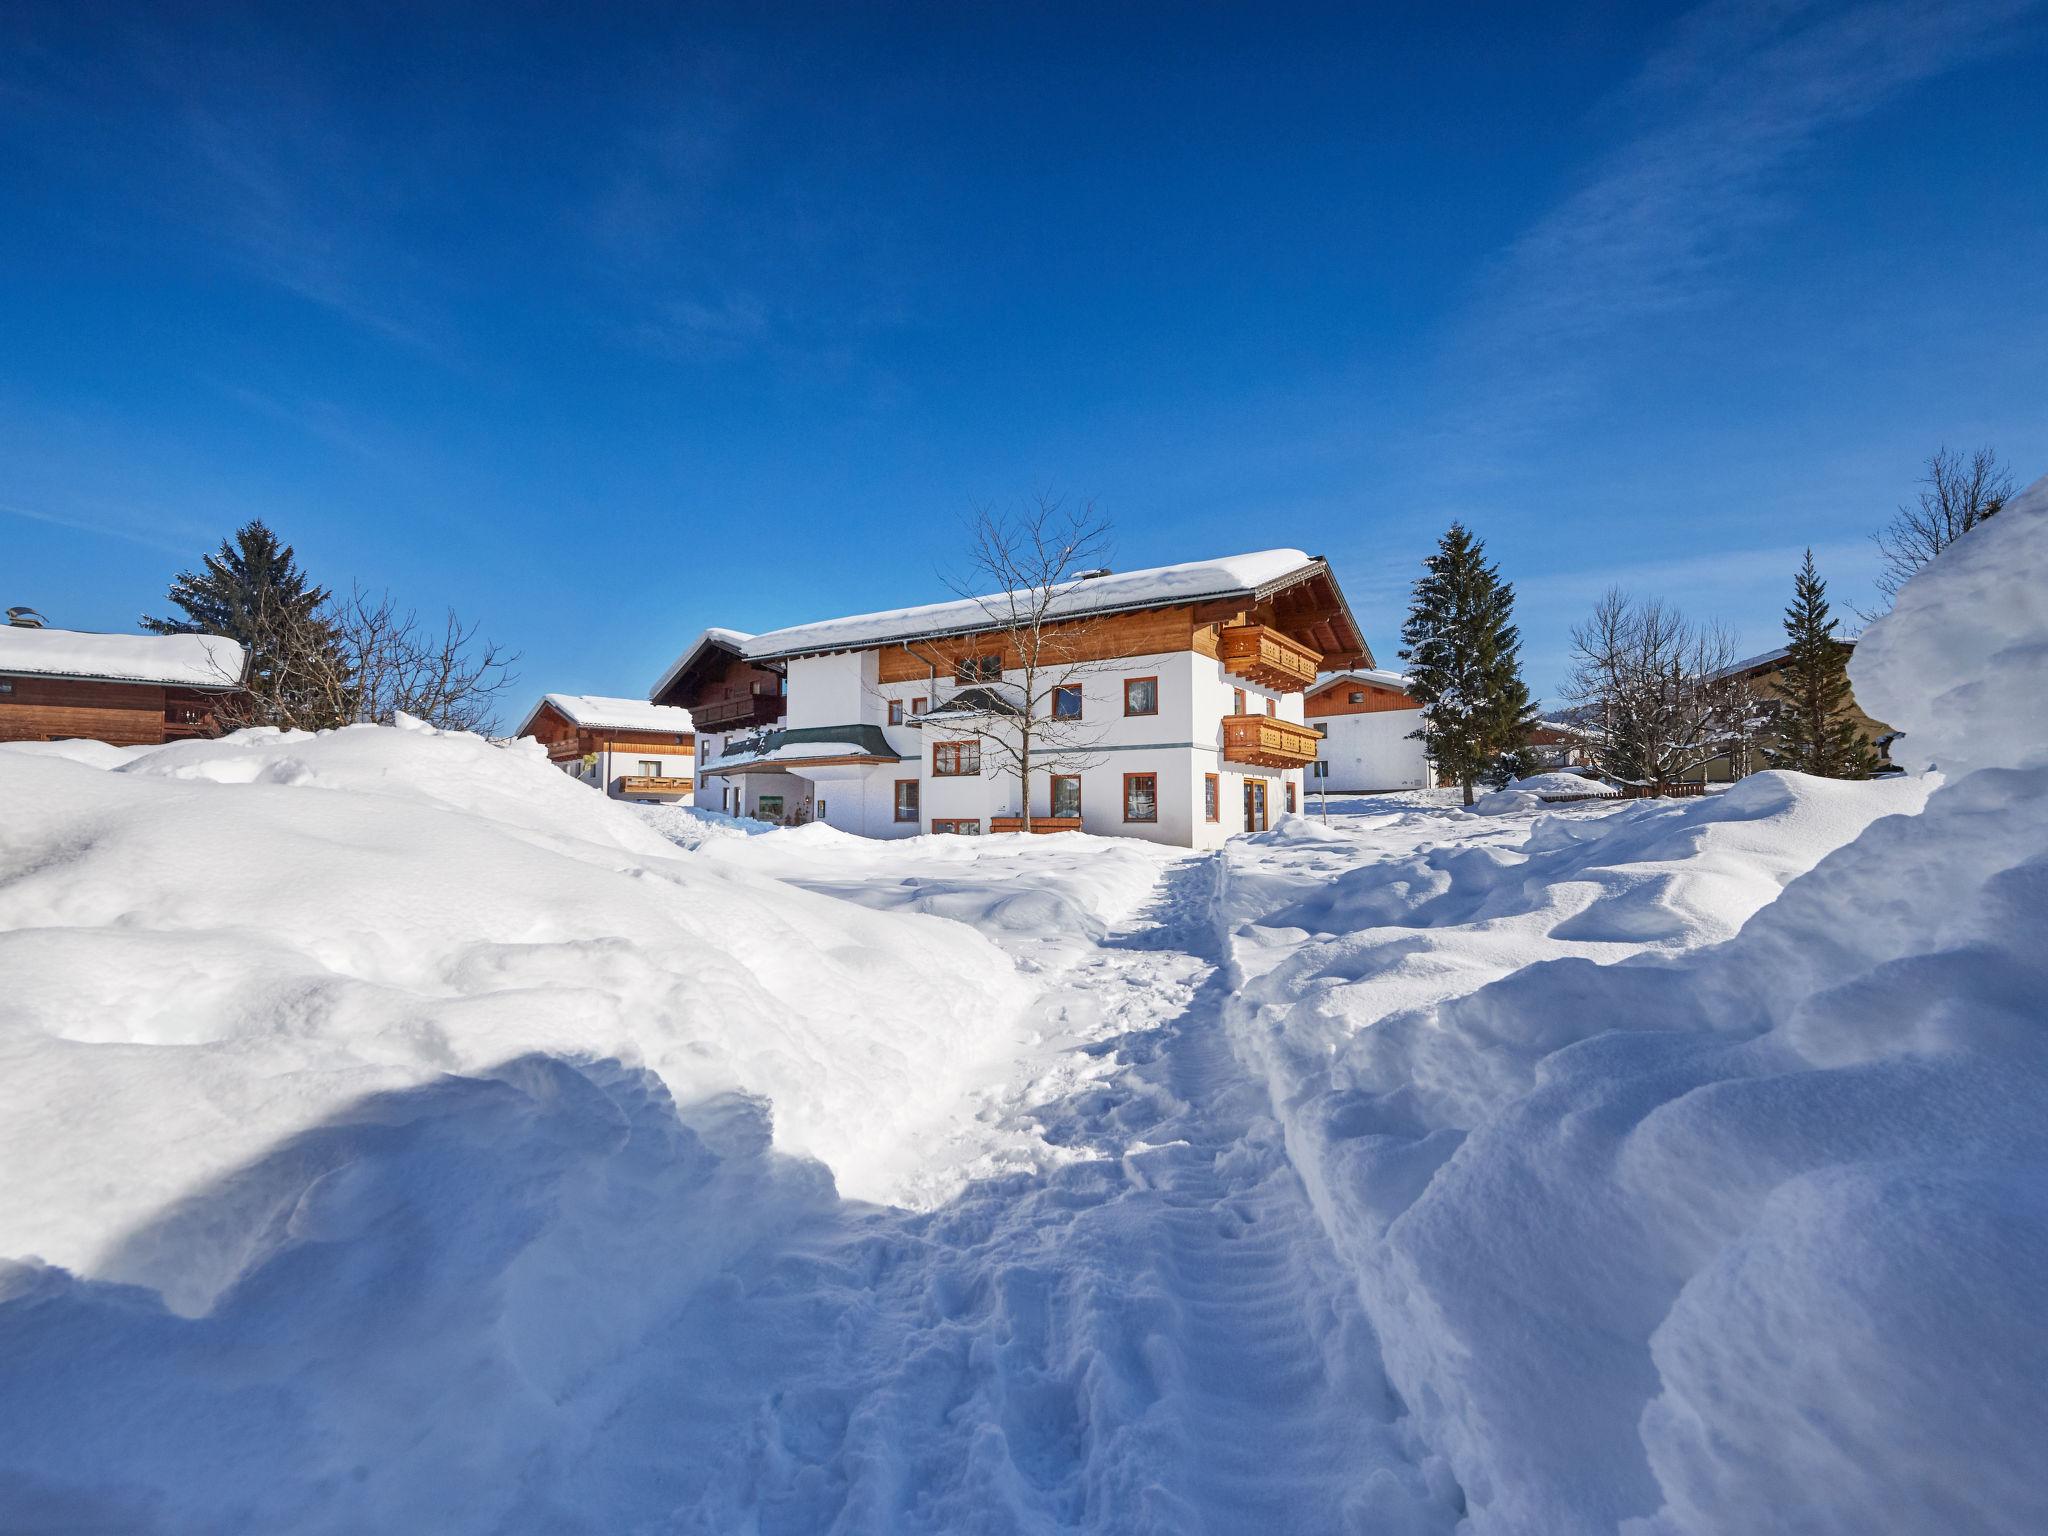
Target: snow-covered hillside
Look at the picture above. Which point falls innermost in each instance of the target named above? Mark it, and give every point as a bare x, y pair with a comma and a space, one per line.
395, 1134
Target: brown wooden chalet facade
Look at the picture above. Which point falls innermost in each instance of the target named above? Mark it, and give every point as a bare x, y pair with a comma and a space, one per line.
125, 690
722, 690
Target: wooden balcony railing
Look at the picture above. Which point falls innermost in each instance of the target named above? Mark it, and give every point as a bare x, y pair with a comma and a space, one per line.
646, 784
742, 709
1038, 824
1268, 743
1266, 657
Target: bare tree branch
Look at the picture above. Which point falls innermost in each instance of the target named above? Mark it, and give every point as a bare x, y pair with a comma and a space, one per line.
1956, 494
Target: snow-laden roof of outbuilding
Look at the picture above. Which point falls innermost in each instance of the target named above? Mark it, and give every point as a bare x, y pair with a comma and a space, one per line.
181, 661
1248, 575
603, 714
1371, 676
727, 639
810, 744
1764, 659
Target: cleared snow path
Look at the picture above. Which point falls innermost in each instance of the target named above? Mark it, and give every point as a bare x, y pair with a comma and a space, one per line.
1153, 1336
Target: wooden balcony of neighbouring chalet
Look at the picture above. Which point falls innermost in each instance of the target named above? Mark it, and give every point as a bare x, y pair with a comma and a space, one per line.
1266, 742
738, 708
1038, 824
1262, 655
647, 784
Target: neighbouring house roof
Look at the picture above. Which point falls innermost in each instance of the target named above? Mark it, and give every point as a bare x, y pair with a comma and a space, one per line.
178, 661
602, 714
1764, 661
1372, 677
733, 640
1251, 576
809, 744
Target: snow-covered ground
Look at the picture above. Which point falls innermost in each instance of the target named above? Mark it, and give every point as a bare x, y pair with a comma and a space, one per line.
395, 1134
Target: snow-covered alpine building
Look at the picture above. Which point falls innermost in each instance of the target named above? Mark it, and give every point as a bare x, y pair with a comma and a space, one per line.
1366, 720
1179, 718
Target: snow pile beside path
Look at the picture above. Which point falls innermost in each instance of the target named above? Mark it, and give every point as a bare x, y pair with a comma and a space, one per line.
213, 947
1741, 1233
1561, 784
690, 826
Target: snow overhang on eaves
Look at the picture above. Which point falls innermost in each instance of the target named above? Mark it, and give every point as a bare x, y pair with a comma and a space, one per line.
732, 640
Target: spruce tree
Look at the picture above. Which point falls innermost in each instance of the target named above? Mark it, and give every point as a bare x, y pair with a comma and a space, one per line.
1464, 662
252, 591
1816, 725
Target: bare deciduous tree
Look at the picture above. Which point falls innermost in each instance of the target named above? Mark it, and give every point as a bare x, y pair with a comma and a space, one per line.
1651, 684
1017, 684
1956, 495
398, 664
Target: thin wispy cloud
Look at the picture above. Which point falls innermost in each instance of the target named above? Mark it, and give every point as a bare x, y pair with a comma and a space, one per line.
91, 525
1716, 125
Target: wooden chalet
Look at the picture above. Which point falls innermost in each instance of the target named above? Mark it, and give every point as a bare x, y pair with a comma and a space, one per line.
126, 690
630, 749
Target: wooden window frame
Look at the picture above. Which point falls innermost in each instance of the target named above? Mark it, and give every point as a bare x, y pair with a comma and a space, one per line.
1212, 797
1080, 700
958, 749
917, 705
1241, 705
916, 800
1133, 714
1290, 797
1272, 709
969, 670
1053, 794
949, 826
895, 711
1141, 821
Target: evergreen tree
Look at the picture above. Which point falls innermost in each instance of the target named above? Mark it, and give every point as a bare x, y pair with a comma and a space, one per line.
252, 591
1816, 727
1464, 662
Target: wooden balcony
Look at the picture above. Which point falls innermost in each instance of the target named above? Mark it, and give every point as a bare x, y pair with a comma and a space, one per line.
1038, 824
643, 784
737, 710
1266, 657
1266, 742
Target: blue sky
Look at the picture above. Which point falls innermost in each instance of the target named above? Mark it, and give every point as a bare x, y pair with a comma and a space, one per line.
605, 327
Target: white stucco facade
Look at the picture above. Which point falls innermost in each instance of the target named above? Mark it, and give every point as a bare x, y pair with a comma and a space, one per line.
1178, 747
1369, 753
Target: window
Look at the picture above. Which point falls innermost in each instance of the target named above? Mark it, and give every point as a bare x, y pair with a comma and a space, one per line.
1272, 706
1212, 796
1141, 696
1066, 702
917, 706
906, 800
769, 808
956, 759
1237, 707
895, 711
1290, 797
958, 828
978, 669
650, 768
1319, 770
725, 798
1066, 794
821, 805
1141, 797
1358, 698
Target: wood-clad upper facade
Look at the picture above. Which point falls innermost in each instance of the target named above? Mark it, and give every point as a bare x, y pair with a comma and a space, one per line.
125, 690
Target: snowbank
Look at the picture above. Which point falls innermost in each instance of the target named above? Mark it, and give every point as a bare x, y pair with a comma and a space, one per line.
214, 947
1681, 1202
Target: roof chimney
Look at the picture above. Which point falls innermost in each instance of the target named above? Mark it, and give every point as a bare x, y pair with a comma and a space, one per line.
25, 618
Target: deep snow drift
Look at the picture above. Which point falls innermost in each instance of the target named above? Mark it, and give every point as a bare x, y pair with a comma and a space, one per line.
1749, 1230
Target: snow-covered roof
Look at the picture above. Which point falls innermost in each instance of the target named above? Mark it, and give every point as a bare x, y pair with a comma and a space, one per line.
1232, 576
805, 744
183, 661
1371, 676
727, 639
602, 714
1767, 658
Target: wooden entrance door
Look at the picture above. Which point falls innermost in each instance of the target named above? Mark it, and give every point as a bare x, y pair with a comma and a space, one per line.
1255, 805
